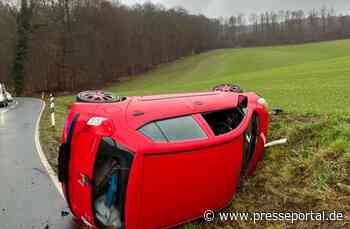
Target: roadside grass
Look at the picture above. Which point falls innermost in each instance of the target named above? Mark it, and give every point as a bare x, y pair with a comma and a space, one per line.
310, 82
311, 173
50, 136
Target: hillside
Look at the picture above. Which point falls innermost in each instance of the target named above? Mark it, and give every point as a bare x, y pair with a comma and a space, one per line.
311, 83
312, 77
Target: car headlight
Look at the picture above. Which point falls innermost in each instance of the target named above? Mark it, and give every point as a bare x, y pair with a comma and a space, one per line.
263, 102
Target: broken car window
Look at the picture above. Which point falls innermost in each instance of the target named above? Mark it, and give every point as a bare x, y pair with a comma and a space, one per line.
224, 121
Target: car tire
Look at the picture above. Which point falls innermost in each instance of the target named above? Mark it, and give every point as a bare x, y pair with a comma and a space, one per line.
249, 147
228, 88
97, 97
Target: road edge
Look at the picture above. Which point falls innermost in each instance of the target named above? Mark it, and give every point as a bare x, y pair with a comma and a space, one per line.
41, 154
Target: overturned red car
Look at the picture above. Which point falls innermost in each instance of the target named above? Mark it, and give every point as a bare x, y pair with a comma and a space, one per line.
158, 161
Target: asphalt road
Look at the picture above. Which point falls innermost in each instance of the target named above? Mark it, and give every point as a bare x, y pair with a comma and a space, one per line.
28, 198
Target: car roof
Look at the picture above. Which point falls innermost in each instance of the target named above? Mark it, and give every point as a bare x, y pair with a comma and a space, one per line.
144, 109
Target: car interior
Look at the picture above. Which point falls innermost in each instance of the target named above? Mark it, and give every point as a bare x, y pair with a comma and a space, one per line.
111, 171
224, 121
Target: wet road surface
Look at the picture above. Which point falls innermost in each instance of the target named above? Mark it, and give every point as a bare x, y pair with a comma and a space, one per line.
28, 198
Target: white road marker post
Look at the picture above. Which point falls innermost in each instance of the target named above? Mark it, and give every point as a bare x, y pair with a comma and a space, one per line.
52, 111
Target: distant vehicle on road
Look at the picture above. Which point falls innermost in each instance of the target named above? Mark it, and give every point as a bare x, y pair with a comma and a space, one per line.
157, 161
9, 97
3, 96
7, 93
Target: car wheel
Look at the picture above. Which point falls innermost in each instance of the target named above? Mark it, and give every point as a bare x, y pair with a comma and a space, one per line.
249, 146
228, 88
97, 97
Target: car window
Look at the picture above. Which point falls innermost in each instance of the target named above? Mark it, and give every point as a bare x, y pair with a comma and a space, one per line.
224, 121
175, 129
152, 131
183, 128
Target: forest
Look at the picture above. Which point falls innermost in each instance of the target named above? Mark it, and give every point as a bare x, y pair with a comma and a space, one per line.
69, 45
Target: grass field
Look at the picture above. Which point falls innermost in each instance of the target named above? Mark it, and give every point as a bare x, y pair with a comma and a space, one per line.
302, 78
311, 83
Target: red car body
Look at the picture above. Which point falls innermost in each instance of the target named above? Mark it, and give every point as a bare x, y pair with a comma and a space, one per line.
165, 183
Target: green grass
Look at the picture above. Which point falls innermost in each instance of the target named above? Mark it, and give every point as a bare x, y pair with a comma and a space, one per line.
300, 78
310, 82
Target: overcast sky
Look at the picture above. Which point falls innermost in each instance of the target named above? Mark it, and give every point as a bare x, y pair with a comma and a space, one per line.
216, 8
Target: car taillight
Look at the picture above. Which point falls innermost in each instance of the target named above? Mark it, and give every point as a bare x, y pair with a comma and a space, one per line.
101, 126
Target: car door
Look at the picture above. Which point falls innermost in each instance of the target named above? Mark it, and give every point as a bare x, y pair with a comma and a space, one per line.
185, 176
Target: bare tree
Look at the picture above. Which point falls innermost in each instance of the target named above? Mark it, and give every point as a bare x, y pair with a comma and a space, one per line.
75, 44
